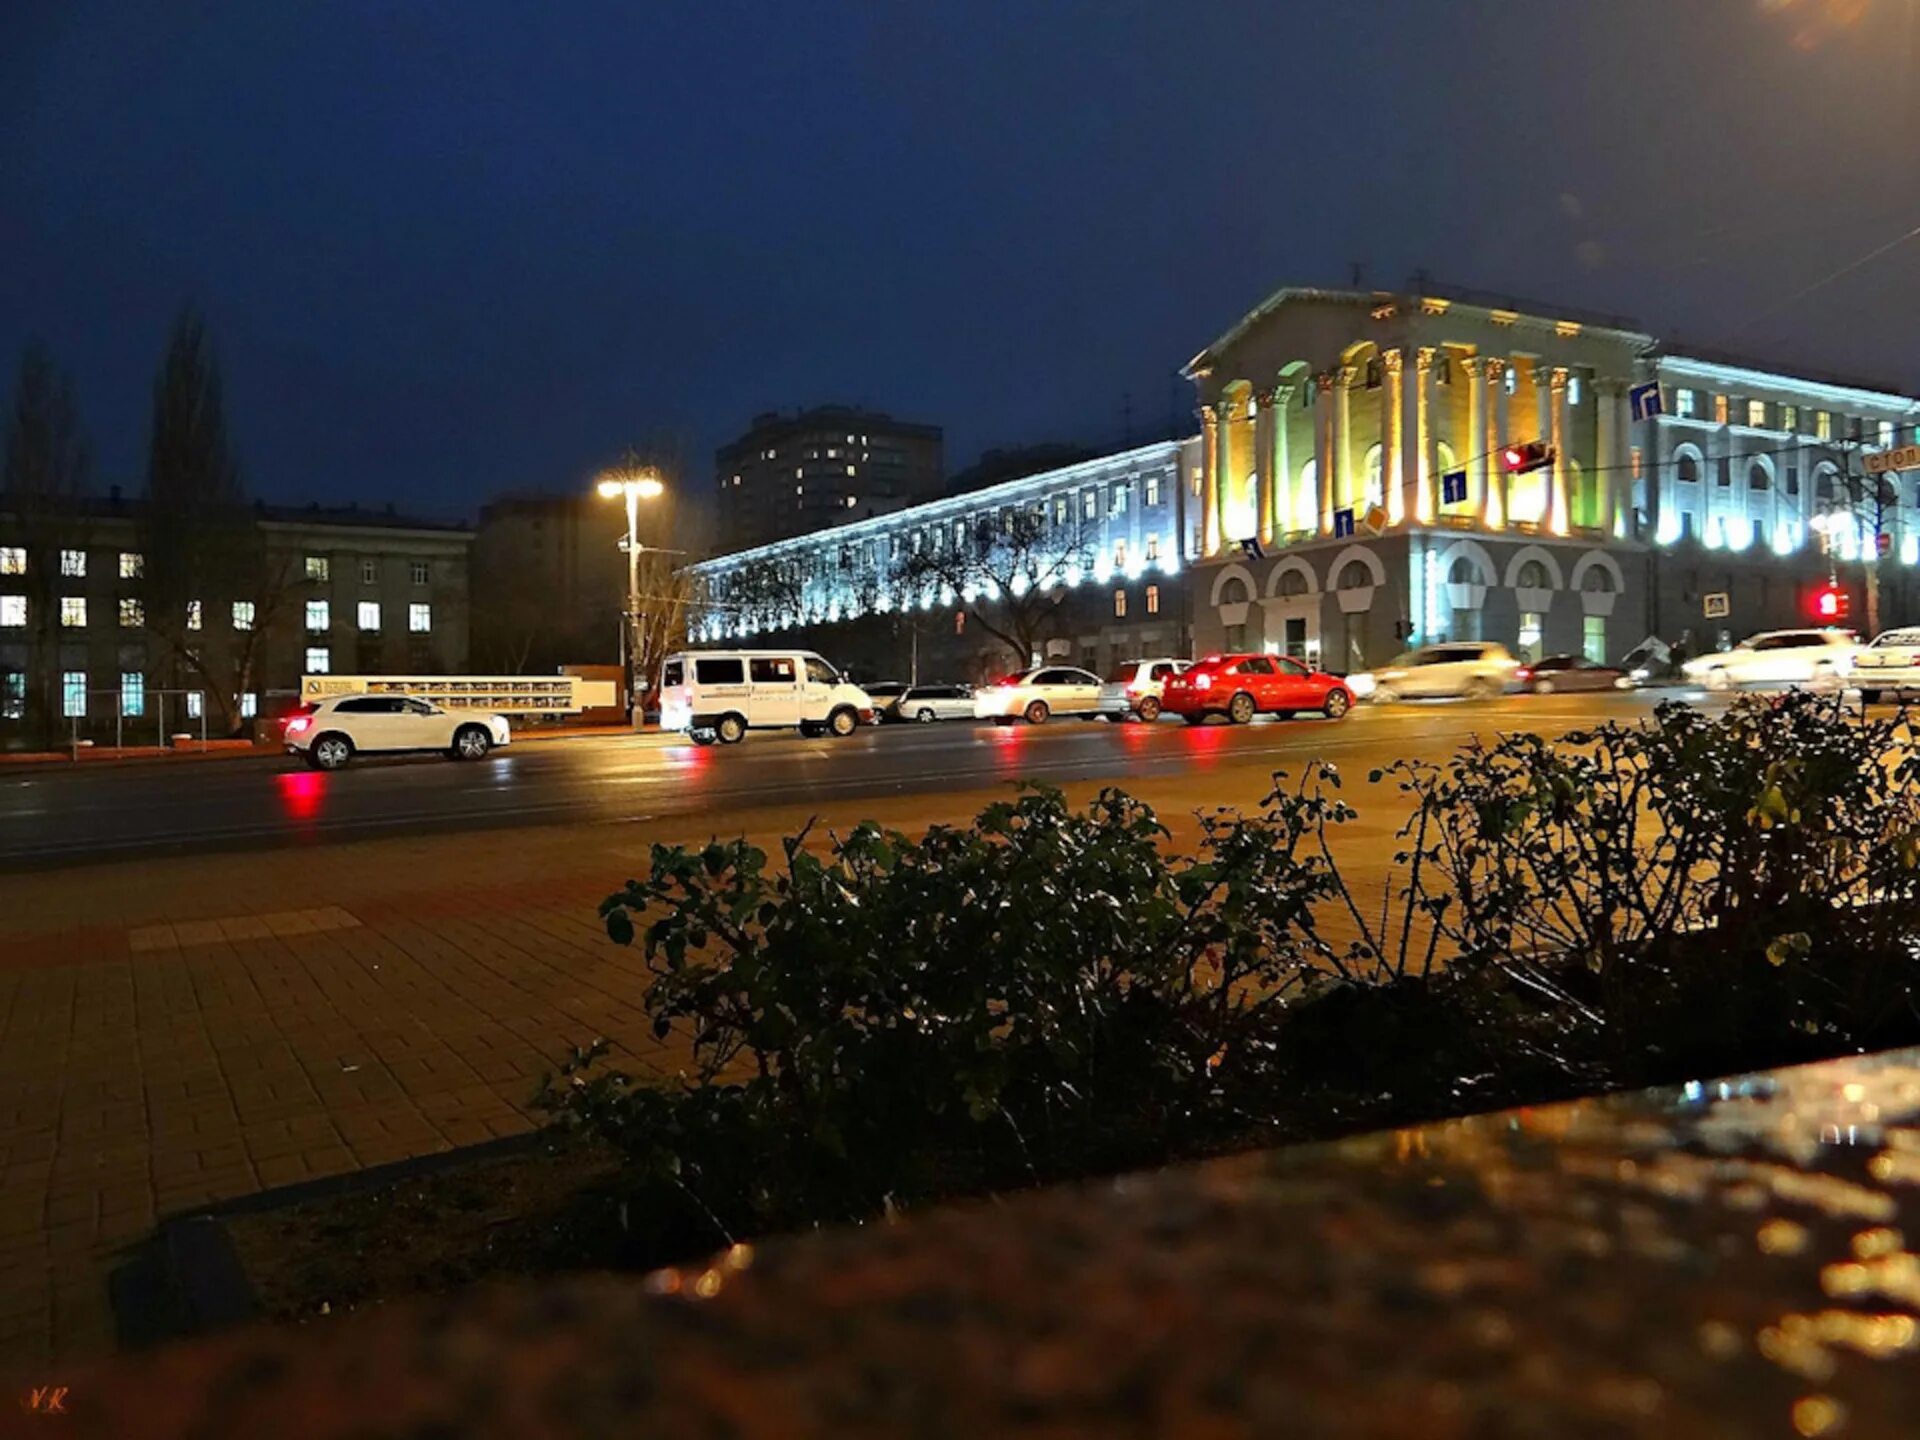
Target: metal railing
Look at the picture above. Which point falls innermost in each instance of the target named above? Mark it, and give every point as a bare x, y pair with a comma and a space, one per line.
160, 719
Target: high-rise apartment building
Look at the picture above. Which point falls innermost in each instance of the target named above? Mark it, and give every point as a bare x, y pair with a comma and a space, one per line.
793, 474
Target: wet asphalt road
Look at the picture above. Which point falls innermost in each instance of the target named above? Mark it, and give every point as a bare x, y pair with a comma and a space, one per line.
53, 817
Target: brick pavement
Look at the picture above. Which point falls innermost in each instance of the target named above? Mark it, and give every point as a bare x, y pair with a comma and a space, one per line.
182, 1030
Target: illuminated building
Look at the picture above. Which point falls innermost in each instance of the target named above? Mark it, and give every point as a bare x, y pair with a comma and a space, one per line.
792, 474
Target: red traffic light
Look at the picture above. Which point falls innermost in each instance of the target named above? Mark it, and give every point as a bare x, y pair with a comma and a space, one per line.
1830, 602
1531, 455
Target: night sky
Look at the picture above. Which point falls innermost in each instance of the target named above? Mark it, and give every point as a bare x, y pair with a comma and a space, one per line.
450, 249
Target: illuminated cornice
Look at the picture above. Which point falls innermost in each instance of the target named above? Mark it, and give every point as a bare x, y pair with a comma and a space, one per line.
1740, 377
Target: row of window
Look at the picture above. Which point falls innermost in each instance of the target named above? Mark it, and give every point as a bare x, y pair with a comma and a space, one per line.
74, 697
133, 613
133, 566
1768, 415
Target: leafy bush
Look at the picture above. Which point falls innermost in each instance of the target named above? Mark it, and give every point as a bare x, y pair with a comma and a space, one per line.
1049, 992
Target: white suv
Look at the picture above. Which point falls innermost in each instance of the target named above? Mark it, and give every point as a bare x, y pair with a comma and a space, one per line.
1463, 667
1818, 659
331, 732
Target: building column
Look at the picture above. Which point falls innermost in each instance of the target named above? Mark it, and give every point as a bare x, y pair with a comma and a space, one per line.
1209, 481
1341, 481
1263, 422
1227, 453
1323, 440
1393, 494
1609, 456
1559, 518
1622, 472
1419, 439
1499, 508
1278, 517
1474, 454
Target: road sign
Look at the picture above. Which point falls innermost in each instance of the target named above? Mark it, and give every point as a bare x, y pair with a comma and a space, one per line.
1453, 487
1906, 457
1714, 606
1883, 544
1253, 549
1375, 520
1343, 522
1644, 401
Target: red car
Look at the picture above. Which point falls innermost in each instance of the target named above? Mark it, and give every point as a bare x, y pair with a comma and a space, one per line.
1242, 686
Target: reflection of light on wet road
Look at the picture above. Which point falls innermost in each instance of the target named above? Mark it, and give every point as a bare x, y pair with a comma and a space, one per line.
301, 792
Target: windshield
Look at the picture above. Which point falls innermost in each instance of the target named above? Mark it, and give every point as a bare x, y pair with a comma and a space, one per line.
1123, 674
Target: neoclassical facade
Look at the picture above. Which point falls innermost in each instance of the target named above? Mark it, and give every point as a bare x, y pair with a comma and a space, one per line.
1346, 498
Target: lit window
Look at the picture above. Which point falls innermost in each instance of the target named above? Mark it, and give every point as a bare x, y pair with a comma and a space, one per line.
1573, 390
249, 705
196, 704
1153, 599
1120, 495
317, 568
73, 562
1685, 404
851, 502
13, 610
1090, 504
419, 618
133, 693
1153, 548
369, 572
1119, 604
318, 660
243, 614
132, 564
1153, 490
959, 622
833, 452
1511, 379
1719, 409
73, 611
369, 615
1789, 417
13, 560
73, 693
1593, 638
853, 470
420, 566
193, 614
13, 695
1886, 434
1120, 554
317, 615
1757, 414
1823, 424
133, 614
1059, 509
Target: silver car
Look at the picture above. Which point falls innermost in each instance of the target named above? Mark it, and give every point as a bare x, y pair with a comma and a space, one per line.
1138, 687
924, 704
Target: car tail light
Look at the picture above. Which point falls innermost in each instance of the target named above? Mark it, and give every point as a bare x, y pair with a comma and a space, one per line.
1524, 673
1203, 681
299, 724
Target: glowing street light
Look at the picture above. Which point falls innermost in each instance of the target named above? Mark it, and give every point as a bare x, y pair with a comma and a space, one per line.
632, 482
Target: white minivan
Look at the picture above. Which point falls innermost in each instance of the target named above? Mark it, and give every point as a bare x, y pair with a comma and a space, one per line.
721, 694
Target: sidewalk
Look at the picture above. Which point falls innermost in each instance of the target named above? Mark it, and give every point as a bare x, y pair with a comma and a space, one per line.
183, 1030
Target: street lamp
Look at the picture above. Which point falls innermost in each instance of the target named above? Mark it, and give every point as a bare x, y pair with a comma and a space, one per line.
634, 483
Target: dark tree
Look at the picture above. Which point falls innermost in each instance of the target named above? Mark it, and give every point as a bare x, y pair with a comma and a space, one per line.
1008, 570
45, 478
205, 551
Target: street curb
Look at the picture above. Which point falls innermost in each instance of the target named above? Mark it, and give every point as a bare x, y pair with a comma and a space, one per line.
186, 1278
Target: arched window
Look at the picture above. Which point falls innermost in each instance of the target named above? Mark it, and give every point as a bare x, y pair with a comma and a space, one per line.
1823, 484
1533, 576
1597, 581
1292, 583
1757, 477
1356, 576
1443, 457
1465, 570
1376, 459
1235, 592
1686, 468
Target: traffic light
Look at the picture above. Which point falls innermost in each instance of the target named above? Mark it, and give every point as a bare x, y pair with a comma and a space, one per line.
1530, 455
1831, 602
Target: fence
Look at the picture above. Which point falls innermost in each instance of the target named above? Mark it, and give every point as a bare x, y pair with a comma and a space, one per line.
141, 718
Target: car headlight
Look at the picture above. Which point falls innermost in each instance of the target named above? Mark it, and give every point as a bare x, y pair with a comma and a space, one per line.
1641, 674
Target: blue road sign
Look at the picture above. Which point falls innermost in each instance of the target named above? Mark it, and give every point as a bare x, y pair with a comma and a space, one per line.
1343, 521
1644, 401
1453, 487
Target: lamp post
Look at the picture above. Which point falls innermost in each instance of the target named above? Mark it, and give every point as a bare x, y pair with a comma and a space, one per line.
633, 483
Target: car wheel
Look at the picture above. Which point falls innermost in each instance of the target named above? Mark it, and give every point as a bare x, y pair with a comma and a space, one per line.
1241, 708
1037, 713
924, 715
330, 752
1148, 709
470, 742
1481, 688
731, 730
1337, 704
843, 722
701, 737
1718, 679
1870, 697
1543, 687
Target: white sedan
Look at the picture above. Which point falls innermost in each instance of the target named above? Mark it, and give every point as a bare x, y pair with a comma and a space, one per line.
1818, 659
1890, 665
330, 733
1037, 695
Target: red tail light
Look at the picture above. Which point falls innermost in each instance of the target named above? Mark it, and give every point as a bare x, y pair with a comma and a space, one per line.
1203, 681
299, 724
1523, 673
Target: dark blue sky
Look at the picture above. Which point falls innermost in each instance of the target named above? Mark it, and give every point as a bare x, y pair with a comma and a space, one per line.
448, 249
